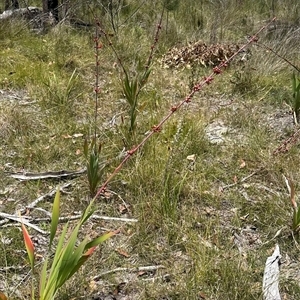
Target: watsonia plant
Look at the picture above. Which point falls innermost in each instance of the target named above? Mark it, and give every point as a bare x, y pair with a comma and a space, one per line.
92, 150
94, 163
69, 256
197, 87
133, 84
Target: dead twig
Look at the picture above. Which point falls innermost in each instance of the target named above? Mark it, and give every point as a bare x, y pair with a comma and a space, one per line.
50, 194
76, 217
137, 269
35, 202
47, 175
240, 181
21, 220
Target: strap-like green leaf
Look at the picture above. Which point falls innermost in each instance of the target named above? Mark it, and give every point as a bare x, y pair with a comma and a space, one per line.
43, 277
55, 216
99, 240
55, 267
70, 262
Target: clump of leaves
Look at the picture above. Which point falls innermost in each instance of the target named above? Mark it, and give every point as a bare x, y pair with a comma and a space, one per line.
132, 85
131, 89
296, 209
95, 165
68, 257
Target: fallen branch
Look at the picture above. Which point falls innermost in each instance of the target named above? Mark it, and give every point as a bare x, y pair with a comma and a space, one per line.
27, 12
47, 175
11, 268
21, 220
240, 181
35, 202
41, 198
137, 269
114, 219
76, 217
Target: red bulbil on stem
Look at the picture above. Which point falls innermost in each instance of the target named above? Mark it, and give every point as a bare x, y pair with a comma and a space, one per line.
131, 151
208, 79
156, 128
187, 99
217, 70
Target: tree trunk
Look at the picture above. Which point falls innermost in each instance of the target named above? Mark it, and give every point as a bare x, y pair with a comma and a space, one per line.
13, 4
51, 6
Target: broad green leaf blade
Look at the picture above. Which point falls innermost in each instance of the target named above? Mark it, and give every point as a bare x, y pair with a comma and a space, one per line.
65, 259
71, 261
59, 249
145, 78
134, 88
87, 213
43, 277
81, 261
294, 82
68, 251
99, 240
50, 285
55, 216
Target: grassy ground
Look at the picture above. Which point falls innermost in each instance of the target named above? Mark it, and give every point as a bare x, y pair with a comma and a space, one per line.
207, 211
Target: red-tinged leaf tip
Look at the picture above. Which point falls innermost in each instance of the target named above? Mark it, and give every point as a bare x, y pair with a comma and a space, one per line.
2, 296
29, 245
90, 251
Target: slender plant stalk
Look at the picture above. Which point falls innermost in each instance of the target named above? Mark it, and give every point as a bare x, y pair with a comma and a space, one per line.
102, 31
157, 128
96, 89
150, 57
92, 150
277, 54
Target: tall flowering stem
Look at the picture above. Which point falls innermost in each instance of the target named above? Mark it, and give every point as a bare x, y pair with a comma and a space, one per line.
157, 128
132, 85
150, 57
98, 46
